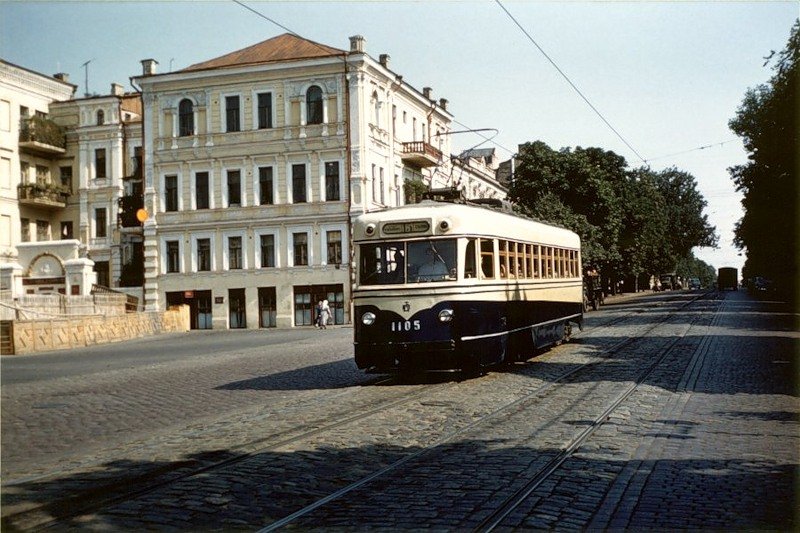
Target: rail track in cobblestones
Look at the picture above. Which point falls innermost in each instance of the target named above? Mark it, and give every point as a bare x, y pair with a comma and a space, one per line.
85, 501
511, 502
96, 499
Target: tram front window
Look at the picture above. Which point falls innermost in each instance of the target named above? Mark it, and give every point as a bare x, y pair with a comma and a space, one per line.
383, 263
431, 260
393, 263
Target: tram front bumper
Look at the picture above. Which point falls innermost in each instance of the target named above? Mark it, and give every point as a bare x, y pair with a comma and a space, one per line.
382, 357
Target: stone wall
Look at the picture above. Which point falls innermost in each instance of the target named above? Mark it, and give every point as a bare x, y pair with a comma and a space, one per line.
58, 334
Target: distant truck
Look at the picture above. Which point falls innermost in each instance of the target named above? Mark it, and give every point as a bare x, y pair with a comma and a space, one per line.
727, 278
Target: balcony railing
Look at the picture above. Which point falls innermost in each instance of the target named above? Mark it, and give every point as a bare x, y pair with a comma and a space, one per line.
42, 136
421, 154
42, 195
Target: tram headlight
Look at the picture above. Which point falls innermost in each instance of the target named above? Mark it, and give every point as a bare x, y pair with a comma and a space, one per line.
446, 315
368, 318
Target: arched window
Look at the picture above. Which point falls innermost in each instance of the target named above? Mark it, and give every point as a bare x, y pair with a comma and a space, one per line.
376, 109
185, 118
314, 105
101, 117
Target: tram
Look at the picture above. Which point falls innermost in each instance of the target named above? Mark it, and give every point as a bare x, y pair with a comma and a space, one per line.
445, 286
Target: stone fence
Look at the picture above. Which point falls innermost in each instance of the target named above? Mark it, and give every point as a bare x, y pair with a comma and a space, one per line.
39, 335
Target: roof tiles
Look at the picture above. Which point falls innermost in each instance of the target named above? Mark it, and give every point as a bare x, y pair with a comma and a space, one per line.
285, 47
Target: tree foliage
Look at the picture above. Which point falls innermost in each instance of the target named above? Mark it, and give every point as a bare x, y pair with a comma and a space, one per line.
630, 221
767, 122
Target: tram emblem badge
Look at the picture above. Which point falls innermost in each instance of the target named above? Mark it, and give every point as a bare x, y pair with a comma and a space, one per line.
406, 307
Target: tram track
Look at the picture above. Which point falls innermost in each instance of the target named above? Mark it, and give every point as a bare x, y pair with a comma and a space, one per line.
99, 498
515, 406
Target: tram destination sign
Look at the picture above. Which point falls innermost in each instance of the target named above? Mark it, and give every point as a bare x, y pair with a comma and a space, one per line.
415, 226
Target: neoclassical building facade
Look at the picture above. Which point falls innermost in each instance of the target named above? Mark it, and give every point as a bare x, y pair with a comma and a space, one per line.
255, 163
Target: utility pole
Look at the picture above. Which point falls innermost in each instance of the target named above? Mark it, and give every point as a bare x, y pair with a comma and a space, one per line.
86, 76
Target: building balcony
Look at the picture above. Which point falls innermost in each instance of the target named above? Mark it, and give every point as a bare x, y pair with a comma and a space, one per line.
42, 137
420, 154
42, 196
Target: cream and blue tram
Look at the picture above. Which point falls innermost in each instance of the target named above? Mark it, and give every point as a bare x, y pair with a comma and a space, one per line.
445, 287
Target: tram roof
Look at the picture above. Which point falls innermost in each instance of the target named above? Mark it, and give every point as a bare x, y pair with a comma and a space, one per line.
463, 219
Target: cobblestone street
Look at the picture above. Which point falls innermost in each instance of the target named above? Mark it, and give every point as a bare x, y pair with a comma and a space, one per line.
676, 413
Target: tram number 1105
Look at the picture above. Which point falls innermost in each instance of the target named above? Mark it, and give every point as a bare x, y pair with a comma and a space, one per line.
407, 325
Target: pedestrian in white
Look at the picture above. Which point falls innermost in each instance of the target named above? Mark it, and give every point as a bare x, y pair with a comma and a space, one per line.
324, 314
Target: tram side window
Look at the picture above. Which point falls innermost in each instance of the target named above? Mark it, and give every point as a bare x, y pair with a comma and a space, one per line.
487, 258
470, 268
537, 260
548, 262
520, 260
503, 259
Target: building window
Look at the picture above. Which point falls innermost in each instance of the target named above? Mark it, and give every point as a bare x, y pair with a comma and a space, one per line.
66, 230
332, 181
267, 307
100, 163
42, 230
234, 253
335, 247
100, 223
234, 188
66, 178
265, 196
300, 241
267, 251
203, 255
201, 193
24, 172
185, 118
232, 119
25, 229
42, 175
103, 275
237, 317
264, 110
171, 193
298, 183
314, 105
382, 186
101, 118
173, 256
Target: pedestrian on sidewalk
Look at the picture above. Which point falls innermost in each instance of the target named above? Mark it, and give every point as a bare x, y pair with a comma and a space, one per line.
324, 315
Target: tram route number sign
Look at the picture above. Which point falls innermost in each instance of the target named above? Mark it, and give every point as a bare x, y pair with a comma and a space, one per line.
396, 228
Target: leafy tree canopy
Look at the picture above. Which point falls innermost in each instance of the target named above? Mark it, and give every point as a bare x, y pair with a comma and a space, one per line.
630, 221
767, 122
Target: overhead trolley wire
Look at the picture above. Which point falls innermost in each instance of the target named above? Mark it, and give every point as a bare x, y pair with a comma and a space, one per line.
585, 99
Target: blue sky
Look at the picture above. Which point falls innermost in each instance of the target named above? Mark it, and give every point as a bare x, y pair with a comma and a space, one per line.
667, 75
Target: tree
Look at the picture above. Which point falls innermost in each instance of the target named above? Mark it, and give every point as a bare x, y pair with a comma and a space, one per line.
767, 121
630, 221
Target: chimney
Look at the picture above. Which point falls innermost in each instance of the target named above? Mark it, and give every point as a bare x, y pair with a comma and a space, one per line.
62, 76
149, 67
357, 43
117, 89
384, 60
443, 103
426, 92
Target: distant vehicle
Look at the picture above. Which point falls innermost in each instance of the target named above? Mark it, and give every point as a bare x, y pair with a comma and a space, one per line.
454, 287
668, 282
727, 278
694, 283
